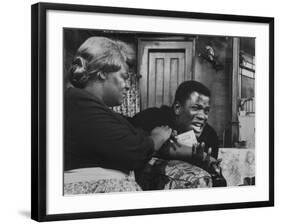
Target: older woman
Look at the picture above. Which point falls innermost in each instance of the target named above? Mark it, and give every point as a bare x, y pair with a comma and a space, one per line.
101, 147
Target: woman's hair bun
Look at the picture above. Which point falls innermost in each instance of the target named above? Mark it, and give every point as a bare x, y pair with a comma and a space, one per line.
78, 75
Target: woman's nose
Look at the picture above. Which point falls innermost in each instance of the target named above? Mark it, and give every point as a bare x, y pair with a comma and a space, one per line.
127, 85
127, 88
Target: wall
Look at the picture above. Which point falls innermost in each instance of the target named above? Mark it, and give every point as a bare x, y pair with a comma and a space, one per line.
217, 77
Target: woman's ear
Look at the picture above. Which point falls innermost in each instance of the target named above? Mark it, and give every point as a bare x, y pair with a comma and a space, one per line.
177, 108
101, 76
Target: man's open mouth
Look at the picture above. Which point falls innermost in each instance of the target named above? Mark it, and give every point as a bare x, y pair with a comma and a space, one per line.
197, 126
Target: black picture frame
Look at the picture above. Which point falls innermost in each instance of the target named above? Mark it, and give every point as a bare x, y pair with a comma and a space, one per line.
39, 109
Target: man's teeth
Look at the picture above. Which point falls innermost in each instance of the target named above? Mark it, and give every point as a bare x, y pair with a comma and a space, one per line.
198, 125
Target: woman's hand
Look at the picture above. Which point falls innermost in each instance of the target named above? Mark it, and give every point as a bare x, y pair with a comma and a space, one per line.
160, 135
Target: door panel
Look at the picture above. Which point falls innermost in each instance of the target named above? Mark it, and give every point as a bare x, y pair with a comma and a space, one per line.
163, 66
166, 71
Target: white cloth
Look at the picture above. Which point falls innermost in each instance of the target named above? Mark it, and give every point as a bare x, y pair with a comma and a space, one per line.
94, 173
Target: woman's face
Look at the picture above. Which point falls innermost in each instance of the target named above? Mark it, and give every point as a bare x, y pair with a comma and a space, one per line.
115, 87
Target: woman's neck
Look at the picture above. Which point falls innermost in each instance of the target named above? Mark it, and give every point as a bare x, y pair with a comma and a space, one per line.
95, 90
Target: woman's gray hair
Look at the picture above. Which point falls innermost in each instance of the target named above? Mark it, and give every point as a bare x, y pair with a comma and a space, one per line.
98, 54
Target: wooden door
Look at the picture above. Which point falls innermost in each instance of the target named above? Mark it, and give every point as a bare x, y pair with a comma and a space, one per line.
163, 66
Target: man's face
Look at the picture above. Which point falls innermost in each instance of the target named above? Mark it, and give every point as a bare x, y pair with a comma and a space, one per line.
116, 85
193, 115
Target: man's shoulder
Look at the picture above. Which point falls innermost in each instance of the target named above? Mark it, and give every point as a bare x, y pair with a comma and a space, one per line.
210, 130
153, 117
155, 111
209, 135
210, 138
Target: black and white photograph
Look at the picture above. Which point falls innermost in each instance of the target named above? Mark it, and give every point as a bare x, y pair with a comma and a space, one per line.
157, 111
140, 112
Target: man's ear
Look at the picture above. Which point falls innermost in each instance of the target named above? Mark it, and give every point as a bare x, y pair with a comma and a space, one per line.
177, 108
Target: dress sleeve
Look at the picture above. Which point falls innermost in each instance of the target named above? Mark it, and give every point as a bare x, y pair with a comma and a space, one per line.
115, 141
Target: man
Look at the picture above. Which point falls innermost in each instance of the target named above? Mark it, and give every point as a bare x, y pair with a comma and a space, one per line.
189, 111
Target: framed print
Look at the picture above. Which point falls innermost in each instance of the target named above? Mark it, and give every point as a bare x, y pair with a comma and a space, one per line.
138, 111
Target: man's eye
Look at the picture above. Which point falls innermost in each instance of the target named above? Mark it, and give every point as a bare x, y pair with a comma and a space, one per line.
125, 75
195, 108
207, 111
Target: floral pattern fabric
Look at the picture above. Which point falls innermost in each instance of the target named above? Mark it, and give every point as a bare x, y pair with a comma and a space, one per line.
159, 174
173, 174
131, 102
185, 175
101, 186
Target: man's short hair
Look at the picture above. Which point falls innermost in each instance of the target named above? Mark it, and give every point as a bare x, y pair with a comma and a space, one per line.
187, 87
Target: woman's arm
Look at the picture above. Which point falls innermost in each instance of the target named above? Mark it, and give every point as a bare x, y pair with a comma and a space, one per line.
114, 140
